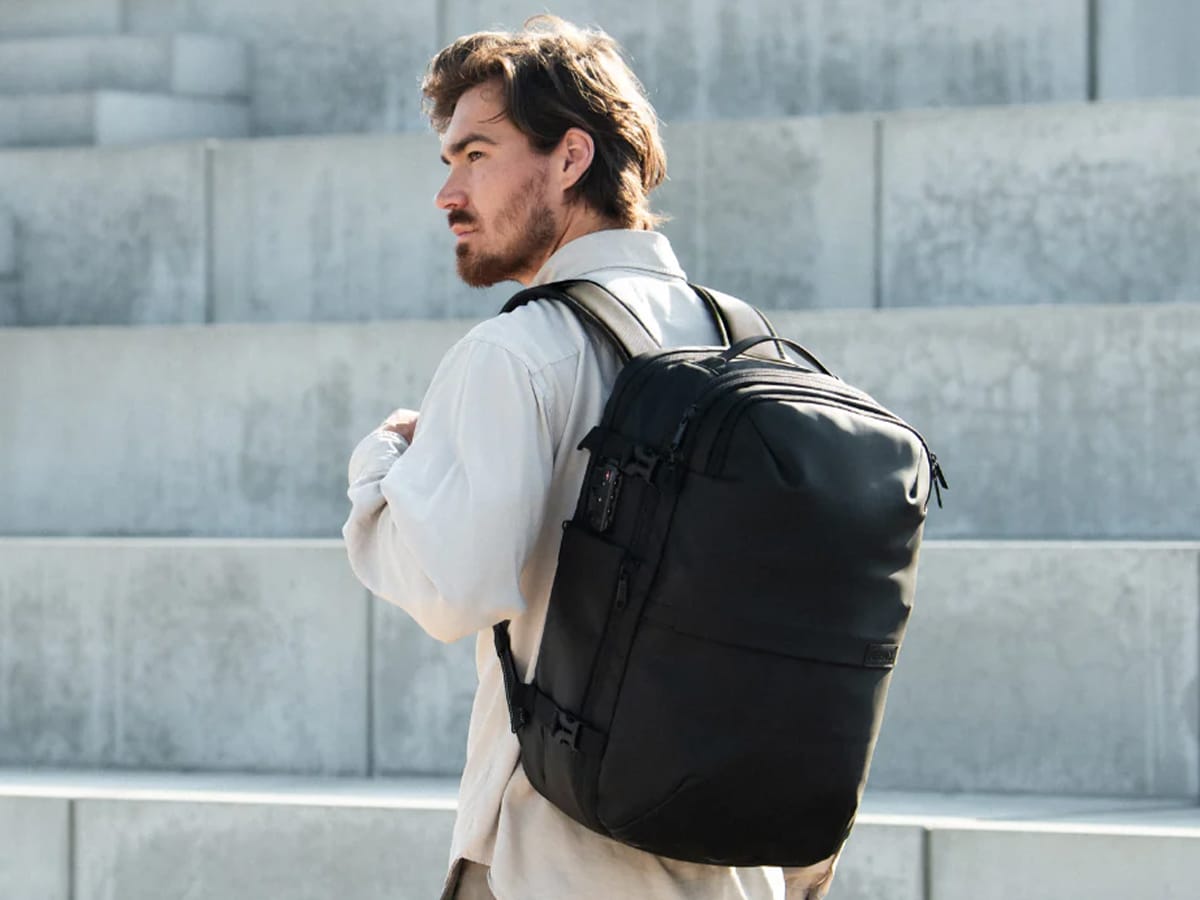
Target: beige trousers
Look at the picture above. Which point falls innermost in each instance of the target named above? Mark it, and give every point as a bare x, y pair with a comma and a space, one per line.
472, 883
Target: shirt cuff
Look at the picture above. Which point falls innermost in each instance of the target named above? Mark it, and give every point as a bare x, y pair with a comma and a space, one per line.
374, 456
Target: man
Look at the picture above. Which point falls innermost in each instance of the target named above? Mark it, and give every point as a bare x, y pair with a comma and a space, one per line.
552, 149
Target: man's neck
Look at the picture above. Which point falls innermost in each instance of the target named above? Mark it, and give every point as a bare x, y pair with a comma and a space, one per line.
579, 220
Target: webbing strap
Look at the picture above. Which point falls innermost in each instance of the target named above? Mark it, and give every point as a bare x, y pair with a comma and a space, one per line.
598, 307
527, 704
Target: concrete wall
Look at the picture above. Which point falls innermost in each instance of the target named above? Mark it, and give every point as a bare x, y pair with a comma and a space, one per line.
1052, 668
1057, 669
316, 66
34, 849
707, 59
1052, 422
1068, 204
130, 850
183, 656
108, 235
1147, 48
1051, 205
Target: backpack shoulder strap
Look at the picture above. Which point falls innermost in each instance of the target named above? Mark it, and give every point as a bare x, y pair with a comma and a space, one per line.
597, 306
736, 319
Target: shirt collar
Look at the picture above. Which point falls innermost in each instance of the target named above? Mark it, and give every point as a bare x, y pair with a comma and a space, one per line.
617, 248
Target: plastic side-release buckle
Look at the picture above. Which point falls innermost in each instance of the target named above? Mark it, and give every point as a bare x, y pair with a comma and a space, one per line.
565, 729
640, 462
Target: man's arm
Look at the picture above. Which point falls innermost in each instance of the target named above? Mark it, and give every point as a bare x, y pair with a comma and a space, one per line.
442, 526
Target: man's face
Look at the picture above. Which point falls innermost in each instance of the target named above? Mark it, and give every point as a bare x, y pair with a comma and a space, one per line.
498, 196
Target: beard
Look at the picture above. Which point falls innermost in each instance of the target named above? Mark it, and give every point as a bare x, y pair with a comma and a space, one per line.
530, 222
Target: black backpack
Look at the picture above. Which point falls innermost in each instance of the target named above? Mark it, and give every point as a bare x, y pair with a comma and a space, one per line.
730, 597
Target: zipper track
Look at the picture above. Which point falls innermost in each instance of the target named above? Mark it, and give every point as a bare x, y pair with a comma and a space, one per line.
711, 395
637, 377
720, 449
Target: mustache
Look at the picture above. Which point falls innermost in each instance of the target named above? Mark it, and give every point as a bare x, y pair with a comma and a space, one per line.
459, 217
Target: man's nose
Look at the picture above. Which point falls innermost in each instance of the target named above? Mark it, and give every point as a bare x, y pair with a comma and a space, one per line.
451, 196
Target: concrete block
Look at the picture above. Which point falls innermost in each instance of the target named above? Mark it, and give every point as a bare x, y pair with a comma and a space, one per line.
222, 430
46, 17
1097, 203
1049, 669
1051, 863
1052, 422
182, 64
781, 211
109, 235
115, 117
335, 228
882, 861
422, 696
182, 656
35, 857
10, 300
1147, 49
126, 118
8, 246
709, 60
316, 67
1072, 421
131, 850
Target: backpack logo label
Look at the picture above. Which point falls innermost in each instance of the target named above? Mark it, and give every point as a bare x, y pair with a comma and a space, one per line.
881, 656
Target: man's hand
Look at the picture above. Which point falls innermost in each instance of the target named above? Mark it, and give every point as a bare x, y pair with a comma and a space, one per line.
403, 422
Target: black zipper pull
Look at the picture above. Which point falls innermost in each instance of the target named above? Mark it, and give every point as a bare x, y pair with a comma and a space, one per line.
677, 440
937, 477
622, 598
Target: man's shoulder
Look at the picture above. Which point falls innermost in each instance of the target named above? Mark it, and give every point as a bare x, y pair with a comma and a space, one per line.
539, 334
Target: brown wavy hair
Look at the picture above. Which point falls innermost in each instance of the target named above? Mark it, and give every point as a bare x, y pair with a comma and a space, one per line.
556, 76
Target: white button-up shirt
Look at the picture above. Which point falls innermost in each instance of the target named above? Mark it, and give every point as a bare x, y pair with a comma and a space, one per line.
462, 529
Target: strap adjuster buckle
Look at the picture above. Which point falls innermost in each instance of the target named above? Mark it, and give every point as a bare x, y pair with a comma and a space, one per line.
565, 729
640, 462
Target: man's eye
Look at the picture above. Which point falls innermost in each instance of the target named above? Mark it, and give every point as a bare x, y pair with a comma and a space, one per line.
474, 155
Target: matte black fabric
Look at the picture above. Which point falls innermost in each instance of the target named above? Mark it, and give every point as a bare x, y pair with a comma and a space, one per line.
731, 596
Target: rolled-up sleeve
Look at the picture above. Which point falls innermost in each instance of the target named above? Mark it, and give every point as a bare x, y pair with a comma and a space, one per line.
443, 528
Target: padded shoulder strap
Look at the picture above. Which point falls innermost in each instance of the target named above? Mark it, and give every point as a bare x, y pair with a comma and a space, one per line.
596, 306
736, 319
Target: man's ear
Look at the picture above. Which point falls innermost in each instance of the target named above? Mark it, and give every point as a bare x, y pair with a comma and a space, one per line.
576, 153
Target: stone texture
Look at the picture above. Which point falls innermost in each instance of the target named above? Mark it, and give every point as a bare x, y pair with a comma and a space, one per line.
779, 212
1147, 49
993, 864
222, 430
52, 17
316, 67
422, 696
115, 117
8, 247
335, 228
113, 235
345, 228
128, 850
1053, 668
1074, 421
1052, 422
704, 59
882, 861
34, 848
245, 657
182, 64
1063, 204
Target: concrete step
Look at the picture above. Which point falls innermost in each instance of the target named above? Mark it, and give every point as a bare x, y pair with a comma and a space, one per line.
135, 836
1053, 422
57, 17
115, 117
181, 64
1048, 668
956, 208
